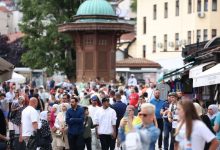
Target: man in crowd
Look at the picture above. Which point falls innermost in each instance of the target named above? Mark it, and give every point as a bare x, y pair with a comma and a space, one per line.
4, 106
120, 109
158, 105
43, 95
74, 120
167, 125
93, 108
29, 120
150, 92
173, 116
132, 81
105, 119
66, 98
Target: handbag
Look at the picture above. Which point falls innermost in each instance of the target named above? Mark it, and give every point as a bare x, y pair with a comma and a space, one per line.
58, 133
32, 143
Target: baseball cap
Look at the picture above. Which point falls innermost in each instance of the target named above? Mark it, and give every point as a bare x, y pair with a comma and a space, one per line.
94, 98
41, 87
172, 94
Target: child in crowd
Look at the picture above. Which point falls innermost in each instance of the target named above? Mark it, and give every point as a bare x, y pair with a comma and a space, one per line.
88, 125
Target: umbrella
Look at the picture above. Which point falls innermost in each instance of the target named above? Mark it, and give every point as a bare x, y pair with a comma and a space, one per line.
17, 78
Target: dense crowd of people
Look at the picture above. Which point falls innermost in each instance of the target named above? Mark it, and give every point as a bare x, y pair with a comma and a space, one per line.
99, 116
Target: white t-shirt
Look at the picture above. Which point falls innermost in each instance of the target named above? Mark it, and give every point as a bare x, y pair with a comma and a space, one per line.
29, 115
124, 99
150, 93
173, 109
92, 111
10, 96
132, 81
200, 135
105, 118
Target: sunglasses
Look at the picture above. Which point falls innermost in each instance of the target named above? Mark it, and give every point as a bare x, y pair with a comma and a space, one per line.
144, 115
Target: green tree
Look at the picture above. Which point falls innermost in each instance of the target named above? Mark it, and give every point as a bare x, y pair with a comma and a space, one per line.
47, 48
134, 5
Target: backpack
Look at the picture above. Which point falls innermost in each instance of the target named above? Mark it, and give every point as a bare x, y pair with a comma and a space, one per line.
133, 141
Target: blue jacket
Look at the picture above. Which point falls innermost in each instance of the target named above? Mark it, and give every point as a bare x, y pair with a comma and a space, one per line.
149, 135
74, 120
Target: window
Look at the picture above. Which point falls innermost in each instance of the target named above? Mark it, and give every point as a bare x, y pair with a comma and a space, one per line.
189, 37
198, 33
102, 42
166, 10
214, 5
206, 5
155, 12
165, 43
88, 40
154, 44
144, 51
214, 33
177, 41
177, 8
205, 35
189, 6
144, 25
199, 5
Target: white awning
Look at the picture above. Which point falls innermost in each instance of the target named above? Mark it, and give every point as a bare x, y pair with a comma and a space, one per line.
197, 70
208, 77
17, 78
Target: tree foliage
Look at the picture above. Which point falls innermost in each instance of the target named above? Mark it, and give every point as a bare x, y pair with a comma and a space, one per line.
134, 5
11, 51
47, 48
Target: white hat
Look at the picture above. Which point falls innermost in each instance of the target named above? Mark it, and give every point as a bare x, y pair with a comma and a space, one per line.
41, 87
132, 75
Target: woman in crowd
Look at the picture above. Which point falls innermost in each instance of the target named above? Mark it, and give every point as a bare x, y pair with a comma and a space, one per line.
212, 112
40, 106
140, 102
129, 121
16, 110
192, 133
55, 109
16, 96
45, 138
61, 128
205, 119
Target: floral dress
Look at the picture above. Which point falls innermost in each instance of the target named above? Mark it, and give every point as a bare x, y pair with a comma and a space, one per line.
44, 133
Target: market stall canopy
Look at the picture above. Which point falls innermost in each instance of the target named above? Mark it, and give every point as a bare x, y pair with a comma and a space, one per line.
6, 70
195, 71
208, 77
17, 78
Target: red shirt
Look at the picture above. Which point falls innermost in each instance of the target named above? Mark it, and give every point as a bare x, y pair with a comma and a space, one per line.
134, 97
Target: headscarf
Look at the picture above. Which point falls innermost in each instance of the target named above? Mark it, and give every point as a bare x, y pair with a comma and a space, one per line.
214, 108
62, 114
67, 105
43, 115
57, 108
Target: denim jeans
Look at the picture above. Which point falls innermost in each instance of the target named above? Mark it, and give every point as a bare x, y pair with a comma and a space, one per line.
3, 145
167, 131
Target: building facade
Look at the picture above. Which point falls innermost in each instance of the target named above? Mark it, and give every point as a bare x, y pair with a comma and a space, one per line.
9, 20
165, 27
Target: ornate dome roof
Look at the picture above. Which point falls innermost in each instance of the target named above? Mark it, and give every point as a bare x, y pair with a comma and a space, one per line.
96, 7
